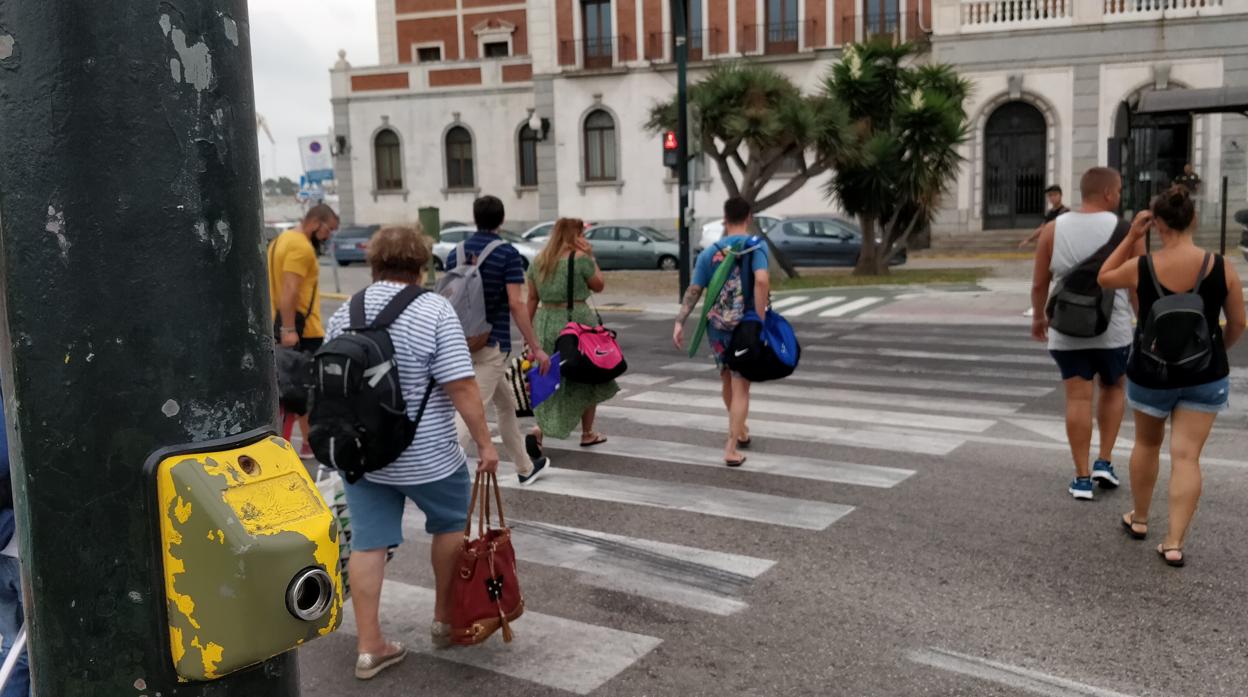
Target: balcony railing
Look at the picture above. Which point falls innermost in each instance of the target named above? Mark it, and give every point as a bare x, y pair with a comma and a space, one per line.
1124, 10
896, 26
593, 53
995, 15
785, 37
661, 46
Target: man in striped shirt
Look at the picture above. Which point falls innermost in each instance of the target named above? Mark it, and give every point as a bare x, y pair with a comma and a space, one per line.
502, 276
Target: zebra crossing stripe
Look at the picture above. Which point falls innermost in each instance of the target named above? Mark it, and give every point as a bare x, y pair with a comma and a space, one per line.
807, 372
938, 355
691, 498
849, 307
892, 440
1046, 376
820, 411
698, 579
812, 306
839, 396
1007, 675
943, 340
779, 465
551, 651
791, 300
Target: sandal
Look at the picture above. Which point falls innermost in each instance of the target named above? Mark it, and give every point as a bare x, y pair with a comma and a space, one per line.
745, 443
596, 439
533, 446
735, 463
1129, 524
368, 665
1162, 550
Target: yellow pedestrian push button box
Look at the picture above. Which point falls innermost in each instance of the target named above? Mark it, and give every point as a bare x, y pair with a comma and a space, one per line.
249, 551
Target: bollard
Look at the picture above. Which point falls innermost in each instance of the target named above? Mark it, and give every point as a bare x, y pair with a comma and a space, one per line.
135, 314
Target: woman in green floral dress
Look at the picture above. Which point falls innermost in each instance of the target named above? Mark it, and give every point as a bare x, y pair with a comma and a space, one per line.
548, 308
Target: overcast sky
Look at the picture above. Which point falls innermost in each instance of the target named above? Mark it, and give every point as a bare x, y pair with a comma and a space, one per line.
294, 45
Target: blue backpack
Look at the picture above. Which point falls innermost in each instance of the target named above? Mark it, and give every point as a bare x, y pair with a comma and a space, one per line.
765, 349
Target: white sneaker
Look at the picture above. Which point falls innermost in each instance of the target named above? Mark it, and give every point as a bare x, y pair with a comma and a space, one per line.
440, 635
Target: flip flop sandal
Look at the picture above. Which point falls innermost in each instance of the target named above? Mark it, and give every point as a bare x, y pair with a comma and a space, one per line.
532, 446
1161, 552
745, 443
599, 439
1129, 522
735, 463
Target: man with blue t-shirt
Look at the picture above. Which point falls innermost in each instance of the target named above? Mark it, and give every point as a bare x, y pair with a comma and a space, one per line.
502, 278
754, 284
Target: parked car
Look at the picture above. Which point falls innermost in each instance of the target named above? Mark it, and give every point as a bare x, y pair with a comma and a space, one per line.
450, 238
539, 234
350, 243
821, 242
275, 228
632, 247
714, 230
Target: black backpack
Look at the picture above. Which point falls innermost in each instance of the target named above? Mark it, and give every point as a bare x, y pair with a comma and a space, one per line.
1079, 307
359, 417
1174, 340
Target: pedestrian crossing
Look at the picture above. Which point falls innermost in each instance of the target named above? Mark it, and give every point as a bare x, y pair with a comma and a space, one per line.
793, 306
654, 519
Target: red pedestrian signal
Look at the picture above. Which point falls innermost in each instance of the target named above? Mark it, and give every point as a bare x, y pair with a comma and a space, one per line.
671, 147
669, 141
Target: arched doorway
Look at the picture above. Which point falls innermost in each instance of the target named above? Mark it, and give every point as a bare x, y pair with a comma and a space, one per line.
1014, 167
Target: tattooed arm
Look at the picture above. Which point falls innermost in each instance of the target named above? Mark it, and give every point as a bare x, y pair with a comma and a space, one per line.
686, 307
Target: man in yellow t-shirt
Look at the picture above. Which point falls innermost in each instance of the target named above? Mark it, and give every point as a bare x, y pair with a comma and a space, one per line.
294, 292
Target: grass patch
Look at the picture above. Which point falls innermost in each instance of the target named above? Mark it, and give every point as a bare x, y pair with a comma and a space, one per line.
898, 277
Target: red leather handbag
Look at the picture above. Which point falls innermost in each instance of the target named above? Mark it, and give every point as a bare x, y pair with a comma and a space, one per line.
486, 593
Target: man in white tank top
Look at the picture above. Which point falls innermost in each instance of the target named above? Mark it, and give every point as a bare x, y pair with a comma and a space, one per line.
1064, 244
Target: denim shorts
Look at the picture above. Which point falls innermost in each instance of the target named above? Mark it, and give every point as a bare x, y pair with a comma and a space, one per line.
377, 509
1211, 397
1110, 364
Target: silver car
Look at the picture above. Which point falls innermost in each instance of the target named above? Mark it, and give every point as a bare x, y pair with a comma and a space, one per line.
453, 236
633, 247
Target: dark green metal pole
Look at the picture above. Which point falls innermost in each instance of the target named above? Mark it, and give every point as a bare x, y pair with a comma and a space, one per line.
680, 26
135, 311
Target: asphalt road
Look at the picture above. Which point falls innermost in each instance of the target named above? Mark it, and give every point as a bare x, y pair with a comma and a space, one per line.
902, 528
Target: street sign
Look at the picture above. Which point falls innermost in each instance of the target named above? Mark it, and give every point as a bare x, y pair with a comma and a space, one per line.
318, 162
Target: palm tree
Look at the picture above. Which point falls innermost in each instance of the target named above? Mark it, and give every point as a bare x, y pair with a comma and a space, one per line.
751, 120
908, 122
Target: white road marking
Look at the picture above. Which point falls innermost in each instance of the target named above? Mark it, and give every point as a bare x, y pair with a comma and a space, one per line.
819, 411
695, 578
791, 300
812, 306
641, 379
849, 307
780, 465
889, 399
1007, 675
551, 651
922, 369
893, 440
944, 340
692, 498
807, 372
937, 355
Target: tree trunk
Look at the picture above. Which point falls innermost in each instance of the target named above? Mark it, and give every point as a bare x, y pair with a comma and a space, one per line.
868, 258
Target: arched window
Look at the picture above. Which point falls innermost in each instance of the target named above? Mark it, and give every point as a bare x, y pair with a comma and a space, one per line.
528, 156
388, 157
459, 171
600, 155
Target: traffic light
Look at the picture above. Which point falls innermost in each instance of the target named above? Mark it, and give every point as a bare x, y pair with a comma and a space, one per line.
671, 149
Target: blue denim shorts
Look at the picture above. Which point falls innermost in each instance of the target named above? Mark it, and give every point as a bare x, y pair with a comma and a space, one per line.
377, 509
1211, 397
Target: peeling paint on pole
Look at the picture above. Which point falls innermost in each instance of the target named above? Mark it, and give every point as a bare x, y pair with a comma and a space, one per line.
196, 59
231, 29
8, 46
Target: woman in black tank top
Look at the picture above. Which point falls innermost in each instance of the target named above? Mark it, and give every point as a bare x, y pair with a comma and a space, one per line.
1190, 399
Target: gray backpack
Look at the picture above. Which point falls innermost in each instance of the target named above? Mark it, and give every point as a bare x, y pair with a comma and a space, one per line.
1174, 340
462, 285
